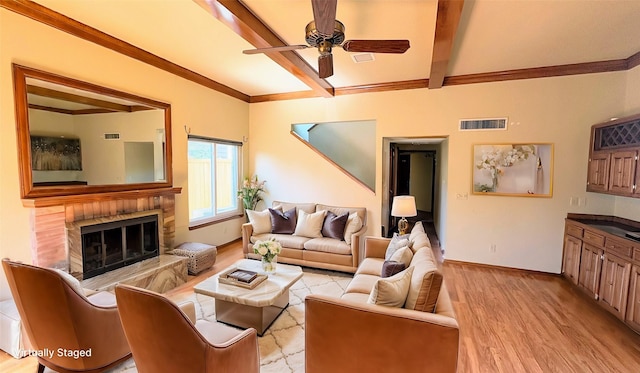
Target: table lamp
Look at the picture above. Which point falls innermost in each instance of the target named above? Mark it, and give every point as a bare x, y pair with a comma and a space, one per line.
403, 206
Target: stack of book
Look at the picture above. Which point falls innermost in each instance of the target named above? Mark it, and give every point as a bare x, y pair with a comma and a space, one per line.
241, 277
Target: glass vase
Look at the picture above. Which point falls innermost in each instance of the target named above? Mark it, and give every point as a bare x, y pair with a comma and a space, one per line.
269, 266
494, 179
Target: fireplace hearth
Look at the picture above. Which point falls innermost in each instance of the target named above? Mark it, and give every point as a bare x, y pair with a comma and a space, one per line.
112, 245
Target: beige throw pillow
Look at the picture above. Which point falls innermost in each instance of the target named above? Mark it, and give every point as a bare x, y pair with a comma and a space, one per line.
402, 255
391, 291
310, 225
354, 224
260, 220
426, 282
397, 242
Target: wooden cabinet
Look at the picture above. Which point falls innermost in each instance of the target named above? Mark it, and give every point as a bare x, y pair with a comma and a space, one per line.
605, 265
589, 278
622, 172
614, 284
598, 174
613, 157
571, 259
633, 306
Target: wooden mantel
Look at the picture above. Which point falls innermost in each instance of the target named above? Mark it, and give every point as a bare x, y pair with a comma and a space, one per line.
99, 197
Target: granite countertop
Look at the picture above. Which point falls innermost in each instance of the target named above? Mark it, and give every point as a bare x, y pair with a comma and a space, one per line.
623, 228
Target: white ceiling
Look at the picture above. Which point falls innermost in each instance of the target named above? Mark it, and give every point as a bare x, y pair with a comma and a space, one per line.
493, 35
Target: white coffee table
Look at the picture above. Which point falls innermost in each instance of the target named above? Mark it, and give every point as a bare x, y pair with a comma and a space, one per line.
251, 308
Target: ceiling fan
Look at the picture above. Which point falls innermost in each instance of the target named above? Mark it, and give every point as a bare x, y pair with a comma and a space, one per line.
326, 32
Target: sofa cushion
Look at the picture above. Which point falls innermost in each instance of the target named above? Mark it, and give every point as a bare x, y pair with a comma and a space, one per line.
362, 283
425, 282
286, 206
283, 222
421, 241
328, 245
286, 240
356, 297
333, 225
391, 291
309, 225
390, 268
403, 255
354, 224
418, 237
397, 241
370, 266
260, 221
417, 228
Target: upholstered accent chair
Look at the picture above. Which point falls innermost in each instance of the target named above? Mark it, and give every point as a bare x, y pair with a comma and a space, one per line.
61, 321
164, 339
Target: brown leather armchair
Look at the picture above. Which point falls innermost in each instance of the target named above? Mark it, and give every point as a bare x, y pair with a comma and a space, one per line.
64, 324
163, 338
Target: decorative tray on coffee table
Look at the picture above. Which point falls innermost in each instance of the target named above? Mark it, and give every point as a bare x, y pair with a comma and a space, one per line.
241, 277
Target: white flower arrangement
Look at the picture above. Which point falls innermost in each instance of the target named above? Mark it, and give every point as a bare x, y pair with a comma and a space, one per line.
496, 158
267, 249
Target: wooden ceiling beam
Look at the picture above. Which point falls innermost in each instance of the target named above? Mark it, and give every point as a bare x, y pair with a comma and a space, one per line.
539, 72
243, 22
70, 97
447, 20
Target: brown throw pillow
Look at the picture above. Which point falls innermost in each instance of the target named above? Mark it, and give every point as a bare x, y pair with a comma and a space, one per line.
334, 225
390, 268
284, 223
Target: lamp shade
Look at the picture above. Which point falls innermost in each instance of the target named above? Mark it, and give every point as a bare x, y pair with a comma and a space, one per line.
404, 206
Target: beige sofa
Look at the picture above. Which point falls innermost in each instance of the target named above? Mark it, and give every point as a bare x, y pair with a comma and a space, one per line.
348, 334
318, 252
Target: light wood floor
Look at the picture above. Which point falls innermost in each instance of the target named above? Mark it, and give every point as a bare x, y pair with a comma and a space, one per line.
510, 321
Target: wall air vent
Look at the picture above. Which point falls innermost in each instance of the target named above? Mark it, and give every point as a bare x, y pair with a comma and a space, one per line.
485, 124
112, 136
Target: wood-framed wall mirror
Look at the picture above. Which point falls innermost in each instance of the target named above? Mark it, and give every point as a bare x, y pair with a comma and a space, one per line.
76, 137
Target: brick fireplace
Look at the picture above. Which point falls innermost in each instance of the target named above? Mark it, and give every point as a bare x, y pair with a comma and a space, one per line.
56, 242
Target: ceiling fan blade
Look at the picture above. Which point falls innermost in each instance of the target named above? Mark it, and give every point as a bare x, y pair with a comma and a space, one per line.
275, 49
325, 65
324, 15
376, 46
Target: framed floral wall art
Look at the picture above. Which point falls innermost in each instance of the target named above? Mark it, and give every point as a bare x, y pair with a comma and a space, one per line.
519, 169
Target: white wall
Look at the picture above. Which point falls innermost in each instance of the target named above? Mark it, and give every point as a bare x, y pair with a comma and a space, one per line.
139, 126
206, 112
630, 207
527, 231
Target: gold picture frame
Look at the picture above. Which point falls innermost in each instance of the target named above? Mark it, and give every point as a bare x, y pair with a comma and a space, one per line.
512, 169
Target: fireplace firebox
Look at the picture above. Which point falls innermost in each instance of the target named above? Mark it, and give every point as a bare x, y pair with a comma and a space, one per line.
116, 244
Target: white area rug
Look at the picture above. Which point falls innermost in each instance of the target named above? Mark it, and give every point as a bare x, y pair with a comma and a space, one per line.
282, 345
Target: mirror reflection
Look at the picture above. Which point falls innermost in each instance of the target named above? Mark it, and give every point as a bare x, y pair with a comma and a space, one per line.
88, 139
75, 137
349, 145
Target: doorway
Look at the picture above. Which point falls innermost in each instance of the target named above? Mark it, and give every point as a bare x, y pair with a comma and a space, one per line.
411, 168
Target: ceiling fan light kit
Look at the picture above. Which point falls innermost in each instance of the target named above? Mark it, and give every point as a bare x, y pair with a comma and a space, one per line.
326, 32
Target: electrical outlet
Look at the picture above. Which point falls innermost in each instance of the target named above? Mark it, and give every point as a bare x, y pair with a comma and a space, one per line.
462, 195
582, 201
493, 248
573, 201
